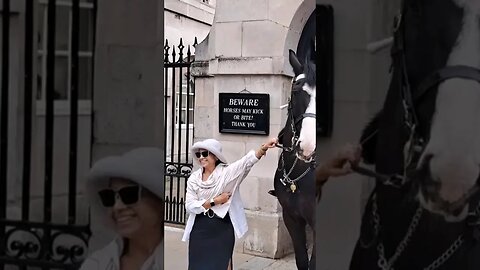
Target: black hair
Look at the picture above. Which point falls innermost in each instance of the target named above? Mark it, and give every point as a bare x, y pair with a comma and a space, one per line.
310, 72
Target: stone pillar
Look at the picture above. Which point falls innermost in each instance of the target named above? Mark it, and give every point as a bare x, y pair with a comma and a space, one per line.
128, 86
247, 48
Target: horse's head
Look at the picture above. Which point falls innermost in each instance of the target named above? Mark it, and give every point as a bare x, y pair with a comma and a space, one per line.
302, 107
437, 47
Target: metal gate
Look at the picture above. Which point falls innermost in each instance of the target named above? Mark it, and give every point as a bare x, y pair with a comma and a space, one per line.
33, 235
179, 93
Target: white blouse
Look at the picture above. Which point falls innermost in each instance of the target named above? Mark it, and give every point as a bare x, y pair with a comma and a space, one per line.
225, 178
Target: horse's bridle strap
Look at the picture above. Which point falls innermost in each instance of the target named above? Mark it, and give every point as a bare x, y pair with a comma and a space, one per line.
305, 115
446, 73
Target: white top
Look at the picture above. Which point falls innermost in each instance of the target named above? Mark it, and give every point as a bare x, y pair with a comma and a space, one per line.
225, 178
108, 258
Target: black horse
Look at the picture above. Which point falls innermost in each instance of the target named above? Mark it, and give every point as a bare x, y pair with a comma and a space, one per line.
294, 178
424, 210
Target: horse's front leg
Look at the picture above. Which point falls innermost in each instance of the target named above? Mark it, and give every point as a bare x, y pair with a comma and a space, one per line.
311, 223
313, 258
296, 229
314, 253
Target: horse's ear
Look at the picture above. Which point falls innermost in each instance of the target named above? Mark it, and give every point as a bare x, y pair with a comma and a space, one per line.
297, 67
369, 140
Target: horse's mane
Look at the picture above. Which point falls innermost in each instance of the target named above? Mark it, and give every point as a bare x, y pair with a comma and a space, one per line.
310, 71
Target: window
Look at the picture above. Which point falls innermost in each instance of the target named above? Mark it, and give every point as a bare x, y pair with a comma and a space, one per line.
63, 33
186, 107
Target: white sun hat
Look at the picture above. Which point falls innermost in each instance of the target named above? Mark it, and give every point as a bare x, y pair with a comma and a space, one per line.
212, 145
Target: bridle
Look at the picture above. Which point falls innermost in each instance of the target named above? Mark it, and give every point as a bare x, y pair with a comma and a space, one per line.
294, 146
416, 146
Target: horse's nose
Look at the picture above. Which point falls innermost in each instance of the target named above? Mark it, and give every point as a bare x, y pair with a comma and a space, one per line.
298, 148
427, 186
437, 195
431, 186
307, 147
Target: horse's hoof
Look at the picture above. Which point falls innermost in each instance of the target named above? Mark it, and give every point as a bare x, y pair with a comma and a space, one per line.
272, 192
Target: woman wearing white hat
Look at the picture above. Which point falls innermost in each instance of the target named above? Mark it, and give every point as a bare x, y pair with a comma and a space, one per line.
214, 205
127, 193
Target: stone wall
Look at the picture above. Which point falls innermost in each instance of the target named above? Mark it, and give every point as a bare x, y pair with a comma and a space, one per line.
128, 86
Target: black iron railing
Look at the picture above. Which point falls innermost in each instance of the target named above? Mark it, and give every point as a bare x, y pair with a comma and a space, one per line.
25, 243
179, 93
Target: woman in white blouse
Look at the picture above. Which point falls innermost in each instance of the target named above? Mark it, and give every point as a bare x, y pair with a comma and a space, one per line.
216, 213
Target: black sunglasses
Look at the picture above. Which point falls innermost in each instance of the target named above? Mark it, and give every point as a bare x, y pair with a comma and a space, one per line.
203, 154
128, 195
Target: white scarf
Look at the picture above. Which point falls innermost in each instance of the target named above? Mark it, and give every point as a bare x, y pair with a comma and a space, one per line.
215, 185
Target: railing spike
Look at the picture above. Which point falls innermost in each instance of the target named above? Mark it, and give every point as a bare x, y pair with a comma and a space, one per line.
180, 53
173, 55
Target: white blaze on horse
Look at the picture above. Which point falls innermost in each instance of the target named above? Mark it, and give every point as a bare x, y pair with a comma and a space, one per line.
308, 137
453, 151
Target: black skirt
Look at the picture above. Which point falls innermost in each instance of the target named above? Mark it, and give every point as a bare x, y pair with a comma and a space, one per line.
211, 243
